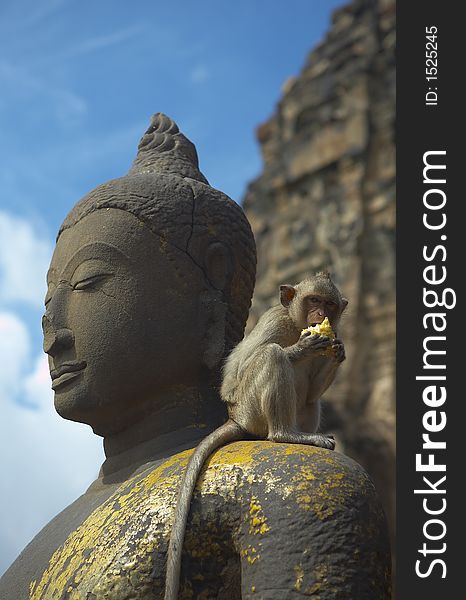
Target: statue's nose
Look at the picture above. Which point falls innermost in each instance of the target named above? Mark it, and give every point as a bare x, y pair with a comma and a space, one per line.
55, 339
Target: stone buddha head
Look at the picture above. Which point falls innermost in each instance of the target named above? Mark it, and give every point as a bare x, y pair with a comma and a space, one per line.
149, 288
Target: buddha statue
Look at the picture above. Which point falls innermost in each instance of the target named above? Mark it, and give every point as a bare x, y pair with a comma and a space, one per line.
148, 290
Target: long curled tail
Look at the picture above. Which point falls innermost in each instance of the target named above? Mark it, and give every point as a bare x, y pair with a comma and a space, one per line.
229, 432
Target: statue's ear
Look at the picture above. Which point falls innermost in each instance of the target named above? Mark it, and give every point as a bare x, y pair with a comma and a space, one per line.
218, 269
214, 311
218, 265
344, 303
287, 293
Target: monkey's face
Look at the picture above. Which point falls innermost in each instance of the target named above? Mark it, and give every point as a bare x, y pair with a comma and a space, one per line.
119, 328
317, 307
311, 301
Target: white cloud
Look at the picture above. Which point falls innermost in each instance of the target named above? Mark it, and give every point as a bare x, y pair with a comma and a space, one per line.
24, 259
14, 350
46, 462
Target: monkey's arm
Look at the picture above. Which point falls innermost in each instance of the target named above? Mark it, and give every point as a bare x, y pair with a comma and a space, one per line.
322, 380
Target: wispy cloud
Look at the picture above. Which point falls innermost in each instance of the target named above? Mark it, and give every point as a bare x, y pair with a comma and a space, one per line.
24, 259
22, 84
105, 41
50, 461
38, 11
14, 352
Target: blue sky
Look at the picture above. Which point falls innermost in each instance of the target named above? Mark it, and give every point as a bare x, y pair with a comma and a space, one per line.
78, 83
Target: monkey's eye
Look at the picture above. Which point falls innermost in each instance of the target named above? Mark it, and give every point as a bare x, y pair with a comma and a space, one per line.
314, 299
331, 304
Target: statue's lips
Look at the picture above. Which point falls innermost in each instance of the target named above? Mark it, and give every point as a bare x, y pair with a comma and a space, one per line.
65, 372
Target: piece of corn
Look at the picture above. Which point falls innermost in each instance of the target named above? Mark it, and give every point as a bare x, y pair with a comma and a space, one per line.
323, 328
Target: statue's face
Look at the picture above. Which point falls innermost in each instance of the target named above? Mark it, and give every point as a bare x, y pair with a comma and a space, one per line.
122, 323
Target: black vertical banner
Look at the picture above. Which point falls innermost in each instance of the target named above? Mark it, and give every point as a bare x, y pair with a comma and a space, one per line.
431, 233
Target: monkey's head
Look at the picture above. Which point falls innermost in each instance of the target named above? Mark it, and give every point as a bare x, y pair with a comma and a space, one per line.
313, 299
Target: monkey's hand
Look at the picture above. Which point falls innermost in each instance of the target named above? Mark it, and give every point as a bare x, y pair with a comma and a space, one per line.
338, 350
307, 345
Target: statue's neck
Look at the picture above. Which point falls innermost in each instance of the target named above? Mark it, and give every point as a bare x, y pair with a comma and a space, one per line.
177, 421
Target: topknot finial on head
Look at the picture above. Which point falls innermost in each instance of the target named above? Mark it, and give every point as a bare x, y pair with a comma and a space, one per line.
163, 149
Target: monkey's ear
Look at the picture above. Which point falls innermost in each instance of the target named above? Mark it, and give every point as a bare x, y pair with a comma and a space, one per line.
287, 293
344, 303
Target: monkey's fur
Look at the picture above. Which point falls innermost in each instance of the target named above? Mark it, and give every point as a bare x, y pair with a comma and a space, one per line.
272, 383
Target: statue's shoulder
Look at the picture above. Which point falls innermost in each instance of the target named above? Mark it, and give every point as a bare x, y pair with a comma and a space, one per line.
305, 476
292, 512
298, 475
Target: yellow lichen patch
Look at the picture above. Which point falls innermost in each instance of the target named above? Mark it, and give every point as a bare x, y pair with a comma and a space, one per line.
206, 546
320, 493
111, 554
300, 486
97, 551
320, 578
331, 494
251, 554
240, 453
299, 576
257, 519
228, 468
313, 589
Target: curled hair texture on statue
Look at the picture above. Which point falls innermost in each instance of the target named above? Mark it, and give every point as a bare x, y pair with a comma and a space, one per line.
166, 190
164, 149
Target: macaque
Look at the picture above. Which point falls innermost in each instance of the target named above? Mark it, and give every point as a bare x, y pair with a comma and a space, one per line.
272, 383
274, 379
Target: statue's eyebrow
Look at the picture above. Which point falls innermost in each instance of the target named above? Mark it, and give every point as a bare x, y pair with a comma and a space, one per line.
94, 250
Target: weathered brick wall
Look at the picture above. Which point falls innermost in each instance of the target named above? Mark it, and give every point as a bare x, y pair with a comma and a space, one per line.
326, 199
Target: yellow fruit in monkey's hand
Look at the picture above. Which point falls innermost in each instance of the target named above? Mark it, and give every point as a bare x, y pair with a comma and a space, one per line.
323, 328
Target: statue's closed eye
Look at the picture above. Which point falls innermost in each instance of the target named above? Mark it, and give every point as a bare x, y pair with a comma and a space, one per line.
90, 274
84, 281
91, 281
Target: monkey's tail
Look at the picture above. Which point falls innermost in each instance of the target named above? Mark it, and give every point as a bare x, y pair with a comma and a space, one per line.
226, 433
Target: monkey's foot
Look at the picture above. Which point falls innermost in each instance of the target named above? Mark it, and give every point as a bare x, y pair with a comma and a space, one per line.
312, 439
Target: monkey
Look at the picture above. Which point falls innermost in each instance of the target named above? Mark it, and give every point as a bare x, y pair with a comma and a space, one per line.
272, 384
